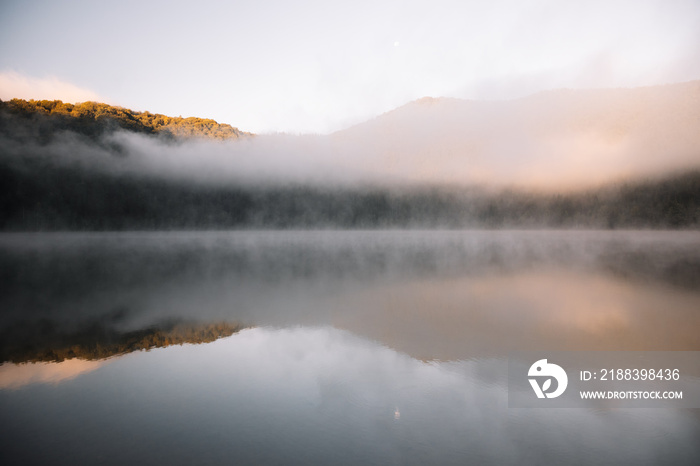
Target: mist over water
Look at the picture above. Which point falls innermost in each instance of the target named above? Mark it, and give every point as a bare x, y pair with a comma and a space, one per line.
137, 280
393, 340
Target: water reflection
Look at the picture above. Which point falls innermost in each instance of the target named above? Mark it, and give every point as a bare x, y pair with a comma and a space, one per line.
491, 315
96, 341
378, 347
13, 376
434, 295
319, 395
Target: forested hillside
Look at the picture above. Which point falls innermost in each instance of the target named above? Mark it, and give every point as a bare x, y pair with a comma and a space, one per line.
97, 341
42, 119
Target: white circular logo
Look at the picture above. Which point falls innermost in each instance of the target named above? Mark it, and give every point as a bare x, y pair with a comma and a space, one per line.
541, 370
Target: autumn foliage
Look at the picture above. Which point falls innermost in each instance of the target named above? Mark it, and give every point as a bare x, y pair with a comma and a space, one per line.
94, 118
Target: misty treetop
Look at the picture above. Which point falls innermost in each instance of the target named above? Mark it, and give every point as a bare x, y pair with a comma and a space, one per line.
38, 197
41, 119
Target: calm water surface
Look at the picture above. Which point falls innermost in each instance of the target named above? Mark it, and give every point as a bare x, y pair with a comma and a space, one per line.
330, 346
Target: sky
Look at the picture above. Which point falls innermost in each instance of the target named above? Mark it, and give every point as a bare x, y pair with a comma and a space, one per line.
319, 66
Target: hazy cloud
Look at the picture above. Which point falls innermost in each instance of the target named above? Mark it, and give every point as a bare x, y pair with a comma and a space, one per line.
14, 85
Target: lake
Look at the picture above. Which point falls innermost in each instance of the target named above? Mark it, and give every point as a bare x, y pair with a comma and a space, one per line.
332, 347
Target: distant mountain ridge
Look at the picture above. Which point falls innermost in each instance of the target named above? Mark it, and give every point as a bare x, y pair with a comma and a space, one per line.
557, 99
554, 139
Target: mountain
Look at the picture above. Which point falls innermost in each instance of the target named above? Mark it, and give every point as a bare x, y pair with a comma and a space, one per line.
43, 119
552, 139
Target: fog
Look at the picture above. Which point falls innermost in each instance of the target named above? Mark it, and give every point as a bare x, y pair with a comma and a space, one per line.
430, 294
556, 140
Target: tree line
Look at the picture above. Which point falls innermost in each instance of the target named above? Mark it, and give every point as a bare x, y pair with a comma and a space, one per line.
45, 118
96, 341
51, 197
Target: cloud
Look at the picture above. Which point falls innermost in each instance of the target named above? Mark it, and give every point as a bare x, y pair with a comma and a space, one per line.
14, 85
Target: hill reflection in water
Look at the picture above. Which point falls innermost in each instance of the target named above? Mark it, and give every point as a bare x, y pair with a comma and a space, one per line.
320, 395
435, 295
379, 347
